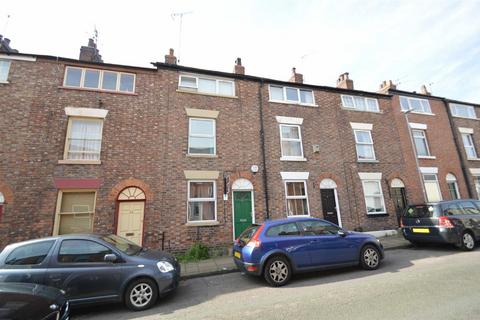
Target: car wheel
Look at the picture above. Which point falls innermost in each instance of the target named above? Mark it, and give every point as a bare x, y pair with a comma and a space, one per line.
468, 242
277, 271
141, 294
369, 258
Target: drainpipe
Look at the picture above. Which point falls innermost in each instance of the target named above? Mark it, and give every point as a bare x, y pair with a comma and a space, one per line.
262, 145
463, 162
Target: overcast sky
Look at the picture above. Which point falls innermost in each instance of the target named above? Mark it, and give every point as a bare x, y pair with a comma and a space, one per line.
436, 43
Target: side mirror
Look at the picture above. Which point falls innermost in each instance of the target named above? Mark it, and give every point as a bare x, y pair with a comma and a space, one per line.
342, 233
110, 257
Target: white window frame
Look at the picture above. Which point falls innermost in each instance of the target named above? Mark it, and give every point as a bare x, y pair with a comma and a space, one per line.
470, 110
8, 63
202, 136
284, 157
423, 102
379, 182
424, 136
431, 181
357, 143
471, 146
214, 199
66, 151
58, 213
285, 100
355, 107
452, 179
195, 87
287, 197
100, 80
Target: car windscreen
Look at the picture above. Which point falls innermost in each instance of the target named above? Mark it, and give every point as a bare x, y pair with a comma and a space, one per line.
246, 235
122, 244
421, 211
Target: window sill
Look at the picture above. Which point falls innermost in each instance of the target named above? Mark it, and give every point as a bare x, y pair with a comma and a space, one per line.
293, 159
4, 82
202, 224
473, 159
79, 162
357, 110
98, 90
206, 94
367, 161
294, 103
427, 157
465, 118
299, 216
377, 214
423, 113
209, 156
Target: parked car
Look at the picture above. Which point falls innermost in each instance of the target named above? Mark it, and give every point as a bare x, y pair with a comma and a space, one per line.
28, 301
92, 268
454, 222
277, 249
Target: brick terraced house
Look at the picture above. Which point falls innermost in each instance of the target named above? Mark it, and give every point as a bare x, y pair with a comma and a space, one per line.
171, 155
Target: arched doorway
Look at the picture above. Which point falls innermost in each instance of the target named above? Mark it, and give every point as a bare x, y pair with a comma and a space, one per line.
131, 209
242, 206
399, 197
329, 196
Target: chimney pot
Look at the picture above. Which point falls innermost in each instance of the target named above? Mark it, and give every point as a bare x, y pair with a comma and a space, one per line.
387, 85
90, 52
296, 77
170, 57
423, 90
344, 81
239, 69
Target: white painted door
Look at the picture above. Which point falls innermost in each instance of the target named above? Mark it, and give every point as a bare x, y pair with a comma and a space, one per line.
130, 220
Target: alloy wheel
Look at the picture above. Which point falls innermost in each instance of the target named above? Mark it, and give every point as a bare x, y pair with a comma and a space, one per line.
278, 271
468, 241
141, 295
370, 256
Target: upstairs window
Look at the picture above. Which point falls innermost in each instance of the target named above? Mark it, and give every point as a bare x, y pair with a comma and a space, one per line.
360, 103
421, 144
291, 95
201, 139
467, 139
291, 141
463, 111
84, 139
207, 85
364, 145
4, 69
99, 79
418, 105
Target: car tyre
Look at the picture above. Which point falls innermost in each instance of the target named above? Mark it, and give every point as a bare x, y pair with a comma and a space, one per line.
467, 241
277, 271
370, 257
141, 294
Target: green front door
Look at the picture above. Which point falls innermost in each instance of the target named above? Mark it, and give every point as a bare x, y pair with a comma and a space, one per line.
242, 206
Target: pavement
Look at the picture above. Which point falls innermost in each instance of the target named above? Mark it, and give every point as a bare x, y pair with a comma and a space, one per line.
431, 282
225, 264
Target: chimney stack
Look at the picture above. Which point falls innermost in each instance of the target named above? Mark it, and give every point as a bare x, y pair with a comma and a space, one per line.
344, 82
423, 90
170, 57
387, 85
5, 45
239, 69
90, 52
296, 77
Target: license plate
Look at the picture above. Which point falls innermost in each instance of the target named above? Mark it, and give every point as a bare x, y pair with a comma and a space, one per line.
421, 230
237, 254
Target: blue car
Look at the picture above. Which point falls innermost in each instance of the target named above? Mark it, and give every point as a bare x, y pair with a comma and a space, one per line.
277, 249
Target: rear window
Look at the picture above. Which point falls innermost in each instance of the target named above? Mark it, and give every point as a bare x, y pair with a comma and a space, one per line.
246, 235
287, 229
421, 211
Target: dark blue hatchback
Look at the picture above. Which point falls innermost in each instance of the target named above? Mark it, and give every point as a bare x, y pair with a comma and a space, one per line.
277, 249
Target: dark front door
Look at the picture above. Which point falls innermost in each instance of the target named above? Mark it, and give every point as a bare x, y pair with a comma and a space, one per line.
400, 200
329, 205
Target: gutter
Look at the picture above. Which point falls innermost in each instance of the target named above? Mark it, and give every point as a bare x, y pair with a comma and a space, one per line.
262, 144
463, 163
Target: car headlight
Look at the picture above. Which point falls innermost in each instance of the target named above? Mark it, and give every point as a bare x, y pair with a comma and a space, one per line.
164, 266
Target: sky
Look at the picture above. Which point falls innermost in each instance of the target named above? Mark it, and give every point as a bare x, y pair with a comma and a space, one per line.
431, 42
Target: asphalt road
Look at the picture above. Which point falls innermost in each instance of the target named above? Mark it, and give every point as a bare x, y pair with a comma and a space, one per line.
427, 283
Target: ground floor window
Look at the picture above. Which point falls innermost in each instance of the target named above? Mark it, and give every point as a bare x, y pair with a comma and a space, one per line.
477, 185
372, 191
432, 189
452, 187
75, 212
201, 201
297, 198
